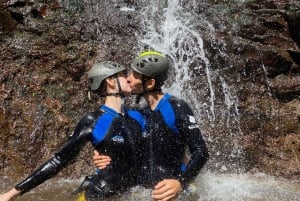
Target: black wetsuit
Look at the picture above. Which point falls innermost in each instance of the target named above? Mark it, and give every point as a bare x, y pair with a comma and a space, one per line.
167, 131
111, 134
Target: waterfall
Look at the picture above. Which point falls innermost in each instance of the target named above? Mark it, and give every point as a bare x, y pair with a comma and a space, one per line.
170, 28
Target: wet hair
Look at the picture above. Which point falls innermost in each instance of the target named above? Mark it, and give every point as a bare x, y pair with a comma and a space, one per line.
101, 91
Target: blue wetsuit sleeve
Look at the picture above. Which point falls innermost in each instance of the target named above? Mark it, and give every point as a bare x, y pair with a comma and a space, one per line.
67, 153
193, 138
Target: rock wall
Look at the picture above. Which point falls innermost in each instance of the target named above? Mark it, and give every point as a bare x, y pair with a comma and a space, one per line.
261, 41
47, 46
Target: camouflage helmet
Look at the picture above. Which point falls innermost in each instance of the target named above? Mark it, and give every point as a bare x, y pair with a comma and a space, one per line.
101, 71
152, 64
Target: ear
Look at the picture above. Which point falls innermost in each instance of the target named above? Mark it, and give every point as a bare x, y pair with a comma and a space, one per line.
150, 84
110, 82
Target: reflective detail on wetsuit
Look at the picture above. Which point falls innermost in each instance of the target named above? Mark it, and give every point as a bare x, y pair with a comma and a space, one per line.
138, 117
167, 112
103, 123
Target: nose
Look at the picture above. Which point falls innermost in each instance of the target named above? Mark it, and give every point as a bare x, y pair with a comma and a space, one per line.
128, 78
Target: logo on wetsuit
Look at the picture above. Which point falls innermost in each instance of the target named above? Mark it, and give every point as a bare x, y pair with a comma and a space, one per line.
118, 138
193, 124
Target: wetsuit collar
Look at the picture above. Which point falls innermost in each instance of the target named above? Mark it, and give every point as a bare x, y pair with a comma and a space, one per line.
109, 110
162, 101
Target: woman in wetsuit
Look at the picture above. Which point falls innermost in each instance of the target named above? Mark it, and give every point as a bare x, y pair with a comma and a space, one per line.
169, 127
107, 128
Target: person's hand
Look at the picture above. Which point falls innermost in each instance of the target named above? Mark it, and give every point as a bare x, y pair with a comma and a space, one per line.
100, 160
167, 189
5, 197
10, 195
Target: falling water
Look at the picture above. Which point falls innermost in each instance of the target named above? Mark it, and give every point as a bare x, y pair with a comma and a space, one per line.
169, 28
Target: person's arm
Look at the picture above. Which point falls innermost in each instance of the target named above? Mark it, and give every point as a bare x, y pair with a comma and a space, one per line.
100, 160
43, 173
68, 152
10, 195
194, 140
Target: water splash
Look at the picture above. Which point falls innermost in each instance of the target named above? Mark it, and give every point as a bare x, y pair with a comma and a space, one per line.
169, 29
210, 187
250, 187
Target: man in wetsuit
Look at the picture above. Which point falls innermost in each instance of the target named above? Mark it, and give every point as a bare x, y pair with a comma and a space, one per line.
108, 129
168, 126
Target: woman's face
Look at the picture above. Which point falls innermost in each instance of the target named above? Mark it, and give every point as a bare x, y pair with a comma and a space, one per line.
135, 82
124, 83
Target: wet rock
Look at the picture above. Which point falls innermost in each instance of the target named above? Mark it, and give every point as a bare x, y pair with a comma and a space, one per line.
7, 23
286, 85
293, 20
296, 57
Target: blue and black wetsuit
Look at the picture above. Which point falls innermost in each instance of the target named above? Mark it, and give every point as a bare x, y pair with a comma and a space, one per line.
111, 134
168, 130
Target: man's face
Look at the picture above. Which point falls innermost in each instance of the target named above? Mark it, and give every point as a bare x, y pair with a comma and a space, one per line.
135, 82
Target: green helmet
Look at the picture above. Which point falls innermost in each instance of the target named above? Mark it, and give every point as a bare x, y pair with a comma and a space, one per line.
153, 64
101, 71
